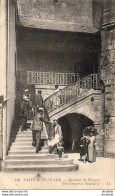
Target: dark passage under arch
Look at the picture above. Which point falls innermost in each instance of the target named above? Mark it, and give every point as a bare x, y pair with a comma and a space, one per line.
72, 126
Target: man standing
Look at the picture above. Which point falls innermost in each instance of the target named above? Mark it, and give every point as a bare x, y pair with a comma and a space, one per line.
58, 138
26, 94
25, 107
39, 99
37, 127
58, 130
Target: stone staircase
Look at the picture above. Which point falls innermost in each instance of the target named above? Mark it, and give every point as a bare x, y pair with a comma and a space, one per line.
22, 155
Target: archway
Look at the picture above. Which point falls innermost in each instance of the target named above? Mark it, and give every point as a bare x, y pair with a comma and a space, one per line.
72, 126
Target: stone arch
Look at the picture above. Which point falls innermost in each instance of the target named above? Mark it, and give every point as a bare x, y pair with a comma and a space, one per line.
91, 104
72, 126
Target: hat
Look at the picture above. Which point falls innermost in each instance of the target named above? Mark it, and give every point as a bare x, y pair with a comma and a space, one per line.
39, 91
40, 109
25, 98
56, 86
26, 90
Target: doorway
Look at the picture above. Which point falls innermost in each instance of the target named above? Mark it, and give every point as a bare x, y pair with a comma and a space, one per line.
72, 126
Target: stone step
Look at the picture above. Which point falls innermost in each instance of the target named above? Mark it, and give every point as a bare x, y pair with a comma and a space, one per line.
26, 147
17, 130
21, 136
23, 140
27, 131
19, 141
39, 162
34, 156
26, 143
29, 144
44, 168
25, 134
20, 152
24, 150
19, 148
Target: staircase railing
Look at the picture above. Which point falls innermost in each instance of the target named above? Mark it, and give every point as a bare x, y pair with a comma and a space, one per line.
68, 93
46, 78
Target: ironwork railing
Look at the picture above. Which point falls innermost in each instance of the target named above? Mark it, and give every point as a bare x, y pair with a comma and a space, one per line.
46, 78
68, 93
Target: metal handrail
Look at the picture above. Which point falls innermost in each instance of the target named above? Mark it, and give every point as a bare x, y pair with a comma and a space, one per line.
65, 95
46, 78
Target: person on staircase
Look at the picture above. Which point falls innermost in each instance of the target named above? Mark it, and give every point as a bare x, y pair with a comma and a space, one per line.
27, 97
58, 131
52, 142
39, 100
56, 144
39, 103
26, 94
37, 128
25, 107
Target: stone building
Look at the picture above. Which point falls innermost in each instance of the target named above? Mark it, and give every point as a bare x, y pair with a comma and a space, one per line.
65, 43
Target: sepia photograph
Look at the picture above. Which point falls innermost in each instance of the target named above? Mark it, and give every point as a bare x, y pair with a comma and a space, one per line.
57, 94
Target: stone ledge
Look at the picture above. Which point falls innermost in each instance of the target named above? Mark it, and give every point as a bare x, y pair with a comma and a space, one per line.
75, 100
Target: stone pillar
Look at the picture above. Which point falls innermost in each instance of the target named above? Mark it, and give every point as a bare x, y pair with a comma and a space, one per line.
107, 66
3, 65
99, 124
1, 128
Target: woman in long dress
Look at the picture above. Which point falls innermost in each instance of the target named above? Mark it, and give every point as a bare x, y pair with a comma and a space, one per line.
92, 148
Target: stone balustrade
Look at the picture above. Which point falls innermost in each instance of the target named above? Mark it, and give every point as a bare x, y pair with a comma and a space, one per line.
46, 78
68, 93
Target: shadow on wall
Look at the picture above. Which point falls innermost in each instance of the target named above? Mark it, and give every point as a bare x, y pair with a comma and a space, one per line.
72, 126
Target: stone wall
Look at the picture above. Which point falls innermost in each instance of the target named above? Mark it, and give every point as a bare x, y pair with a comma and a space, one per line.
107, 71
64, 15
108, 76
1, 128
54, 51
